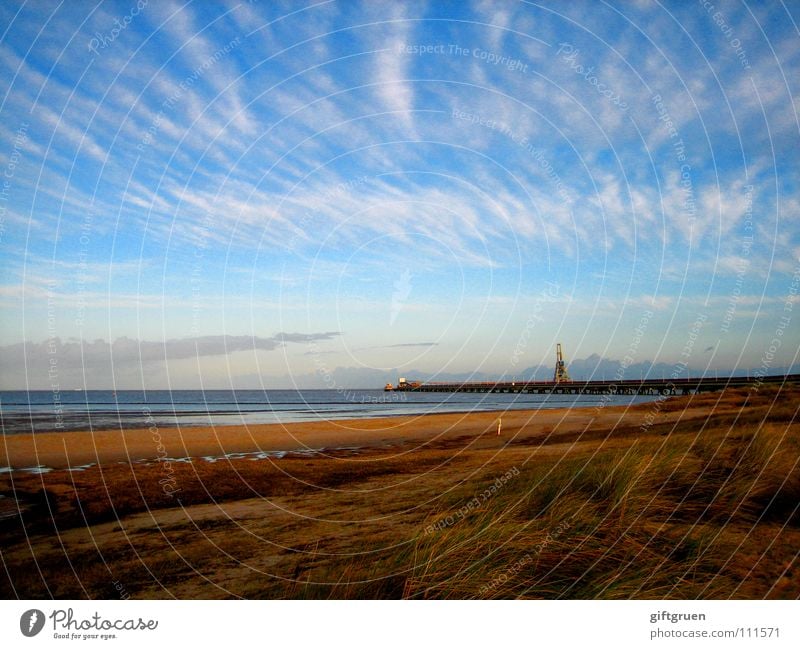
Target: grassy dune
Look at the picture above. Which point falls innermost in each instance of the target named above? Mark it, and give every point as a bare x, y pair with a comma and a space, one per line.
693, 497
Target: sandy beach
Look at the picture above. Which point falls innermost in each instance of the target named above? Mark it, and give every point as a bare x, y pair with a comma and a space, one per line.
682, 498
76, 448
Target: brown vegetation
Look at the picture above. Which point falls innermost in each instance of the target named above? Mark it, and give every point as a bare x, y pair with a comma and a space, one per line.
700, 500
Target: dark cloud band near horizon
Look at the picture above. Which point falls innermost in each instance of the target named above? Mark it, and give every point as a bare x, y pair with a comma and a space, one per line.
55, 361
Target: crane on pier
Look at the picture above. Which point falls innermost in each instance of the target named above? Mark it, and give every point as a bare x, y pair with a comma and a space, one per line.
560, 375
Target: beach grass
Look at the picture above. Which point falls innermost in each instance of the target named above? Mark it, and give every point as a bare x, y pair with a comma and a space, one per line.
703, 506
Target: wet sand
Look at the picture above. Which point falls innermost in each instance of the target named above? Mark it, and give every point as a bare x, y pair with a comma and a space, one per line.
76, 448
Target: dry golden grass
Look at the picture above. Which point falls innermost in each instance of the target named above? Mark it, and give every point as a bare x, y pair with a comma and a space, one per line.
703, 503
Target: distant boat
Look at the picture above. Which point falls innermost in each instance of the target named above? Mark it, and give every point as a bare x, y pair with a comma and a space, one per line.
388, 387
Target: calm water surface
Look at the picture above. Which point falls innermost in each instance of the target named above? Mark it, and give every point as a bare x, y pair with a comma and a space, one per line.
41, 411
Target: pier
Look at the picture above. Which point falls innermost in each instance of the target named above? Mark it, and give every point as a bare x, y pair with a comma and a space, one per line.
563, 384
631, 387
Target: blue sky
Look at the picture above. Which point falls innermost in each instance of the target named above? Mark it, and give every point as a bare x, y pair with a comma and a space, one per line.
329, 194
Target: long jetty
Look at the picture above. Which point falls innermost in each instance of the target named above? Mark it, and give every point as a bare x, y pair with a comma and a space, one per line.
629, 386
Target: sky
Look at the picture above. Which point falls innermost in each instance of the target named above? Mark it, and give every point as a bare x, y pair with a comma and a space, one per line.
335, 194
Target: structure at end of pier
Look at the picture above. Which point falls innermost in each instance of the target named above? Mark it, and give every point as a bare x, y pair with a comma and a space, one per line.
560, 375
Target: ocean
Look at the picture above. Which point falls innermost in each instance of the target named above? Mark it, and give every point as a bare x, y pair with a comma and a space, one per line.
45, 410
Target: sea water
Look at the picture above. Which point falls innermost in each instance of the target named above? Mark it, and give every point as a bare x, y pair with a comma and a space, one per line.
41, 411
